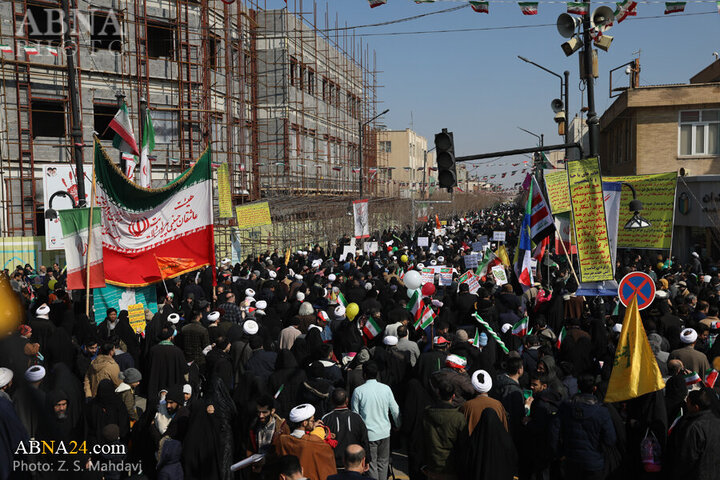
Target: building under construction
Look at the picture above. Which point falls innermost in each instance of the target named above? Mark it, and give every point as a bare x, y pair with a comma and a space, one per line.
281, 97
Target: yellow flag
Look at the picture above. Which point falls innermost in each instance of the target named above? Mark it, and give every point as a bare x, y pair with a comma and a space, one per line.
635, 371
502, 254
11, 311
287, 256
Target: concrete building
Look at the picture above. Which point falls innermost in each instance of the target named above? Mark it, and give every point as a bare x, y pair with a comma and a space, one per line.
401, 155
275, 100
664, 128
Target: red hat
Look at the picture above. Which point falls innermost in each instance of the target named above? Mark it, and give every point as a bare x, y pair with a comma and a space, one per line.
440, 340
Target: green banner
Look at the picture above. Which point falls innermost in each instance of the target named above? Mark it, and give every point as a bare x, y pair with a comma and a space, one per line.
586, 198
657, 194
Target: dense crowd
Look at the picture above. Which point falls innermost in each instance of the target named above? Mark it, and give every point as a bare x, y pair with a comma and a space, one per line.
312, 365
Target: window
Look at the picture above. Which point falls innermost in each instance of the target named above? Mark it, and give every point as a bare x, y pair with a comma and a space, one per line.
160, 40
325, 89
213, 48
44, 24
106, 31
166, 124
48, 118
311, 81
699, 132
303, 69
385, 147
103, 113
293, 71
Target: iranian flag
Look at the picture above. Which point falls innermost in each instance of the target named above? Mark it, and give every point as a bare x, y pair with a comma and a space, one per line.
480, 7
415, 302
75, 225
578, 8
476, 338
711, 377
675, 422
124, 137
52, 51
528, 8
625, 9
140, 224
148, 145
692, 378
425, 319
130, 164
342, 300
30, 50
521, 327
376, 3
674, 7
371, 328
561, 338
6, 49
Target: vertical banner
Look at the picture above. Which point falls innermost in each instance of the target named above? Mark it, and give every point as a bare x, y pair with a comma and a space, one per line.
657, 193
563, 226
81, 254
586, 198
224, 197
611, 194
61, 178
558, 194
362, 223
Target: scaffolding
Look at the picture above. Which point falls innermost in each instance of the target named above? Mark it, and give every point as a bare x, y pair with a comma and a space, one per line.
277, 97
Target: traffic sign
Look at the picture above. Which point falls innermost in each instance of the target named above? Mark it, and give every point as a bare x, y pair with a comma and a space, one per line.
640, 284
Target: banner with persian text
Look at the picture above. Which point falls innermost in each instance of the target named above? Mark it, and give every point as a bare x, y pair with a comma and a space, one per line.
657, 194
586, 198
224, 196
557, 190
253, 215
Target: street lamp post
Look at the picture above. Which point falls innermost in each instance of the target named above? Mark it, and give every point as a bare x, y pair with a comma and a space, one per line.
564, 90
362, 127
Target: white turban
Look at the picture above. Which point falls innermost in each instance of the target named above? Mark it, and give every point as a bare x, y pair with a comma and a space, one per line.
250, 327
249, 292
332, 277
272, 274
212, 316
310, 327
316, 263
506, 327
298, 277
482, 381
261, 304
339, 311
300, 296
5, 376
35, 373
43, 311
173, 318
187, 388
688, 336
225, 261
302, 413
390, 340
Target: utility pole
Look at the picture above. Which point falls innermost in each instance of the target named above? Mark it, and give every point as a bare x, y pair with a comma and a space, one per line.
360, 142
77, 137
566, 73
592, 121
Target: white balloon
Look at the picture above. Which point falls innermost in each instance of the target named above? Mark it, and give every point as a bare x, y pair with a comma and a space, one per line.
412, 280
410, 293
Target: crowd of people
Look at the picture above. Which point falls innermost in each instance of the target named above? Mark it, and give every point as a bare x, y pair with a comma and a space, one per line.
312, 365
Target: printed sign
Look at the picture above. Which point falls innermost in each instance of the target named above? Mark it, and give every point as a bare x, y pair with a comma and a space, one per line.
471, 261
556, 184
446, 275
427, 275
422, 241
588, 207
59, 178
224, 196
136, 316
253, 215
498, 236
499, 273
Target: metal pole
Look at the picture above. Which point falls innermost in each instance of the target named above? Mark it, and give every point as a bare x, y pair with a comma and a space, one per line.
592, 121
360, 141
141, 119
567, 113
424, 172
77, 136
120, 97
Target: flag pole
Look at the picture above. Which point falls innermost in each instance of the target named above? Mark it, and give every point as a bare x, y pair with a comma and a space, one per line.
89, 247
566, 254
161, 275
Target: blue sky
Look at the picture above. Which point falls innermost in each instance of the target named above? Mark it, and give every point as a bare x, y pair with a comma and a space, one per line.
473, 83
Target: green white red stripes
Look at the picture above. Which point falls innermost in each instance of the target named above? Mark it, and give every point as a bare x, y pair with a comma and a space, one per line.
414, 304
376, 3
371, 328
520, 328
425, 318
711, 377
342, 300
561, 338
124, 137
480, 7
148, 145
674, 7
139, 224
492, 333
528, 8
578, 8
75, 225
625, 9
692, 378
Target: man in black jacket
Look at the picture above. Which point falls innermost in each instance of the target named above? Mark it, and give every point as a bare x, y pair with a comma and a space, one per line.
347, 426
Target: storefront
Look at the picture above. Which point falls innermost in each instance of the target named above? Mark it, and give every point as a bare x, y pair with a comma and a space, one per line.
697, 217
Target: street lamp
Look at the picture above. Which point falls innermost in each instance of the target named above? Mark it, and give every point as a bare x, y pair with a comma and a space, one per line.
563, 93
51, 213
362, 126
636, 206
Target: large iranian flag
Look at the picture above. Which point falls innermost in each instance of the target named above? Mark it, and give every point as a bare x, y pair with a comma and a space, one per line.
75, 225
140, 224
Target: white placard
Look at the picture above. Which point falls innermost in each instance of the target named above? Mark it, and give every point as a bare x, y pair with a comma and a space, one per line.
499, 273
422, 242
371, 247
57, 178
498, 236
445, 278
347, 249
427, 275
